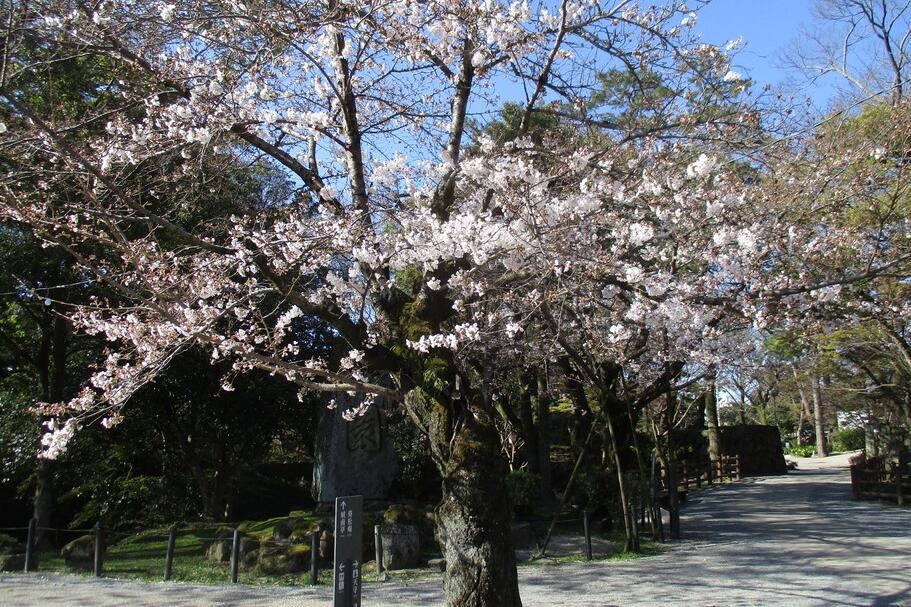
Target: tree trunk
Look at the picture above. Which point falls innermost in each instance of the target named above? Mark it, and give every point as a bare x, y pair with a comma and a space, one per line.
543, 426
800, 419
473, 518
51, 362
582, 414
621, 480
711, 423
819, 416
527, 417
673, 498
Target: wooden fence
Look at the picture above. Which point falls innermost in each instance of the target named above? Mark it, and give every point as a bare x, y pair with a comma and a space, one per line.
870, 479
693, 473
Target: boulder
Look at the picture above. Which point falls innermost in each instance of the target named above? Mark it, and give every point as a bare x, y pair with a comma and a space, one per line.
12, 562
219, 551
249, 560
437, 564
301, 532
401, 546
12, 553
283, 530
283, 559
326, 546
247, 544
80, 553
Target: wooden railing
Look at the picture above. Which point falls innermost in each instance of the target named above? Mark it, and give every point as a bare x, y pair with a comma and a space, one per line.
694, 473
871, 480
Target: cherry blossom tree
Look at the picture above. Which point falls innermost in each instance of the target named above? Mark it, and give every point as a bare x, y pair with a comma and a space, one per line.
624, 238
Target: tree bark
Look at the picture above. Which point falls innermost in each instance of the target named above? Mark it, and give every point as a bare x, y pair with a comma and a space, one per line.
819, 416
543, 426
711, 423
527, 417
582, 414
621, 480
51, 363
673, 498
473, 518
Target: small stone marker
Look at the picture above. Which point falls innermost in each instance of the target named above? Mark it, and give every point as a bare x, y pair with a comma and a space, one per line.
346, 571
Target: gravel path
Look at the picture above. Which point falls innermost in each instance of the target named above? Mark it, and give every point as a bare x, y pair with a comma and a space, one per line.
797, 540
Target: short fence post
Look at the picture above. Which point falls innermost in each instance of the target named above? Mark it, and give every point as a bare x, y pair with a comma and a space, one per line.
588, 536
99, 548
737, 466
169, 555
899, 498
235, 556
314, 558
30, 545
378, 543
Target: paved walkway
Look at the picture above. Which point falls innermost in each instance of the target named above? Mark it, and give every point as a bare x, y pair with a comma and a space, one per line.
793, 541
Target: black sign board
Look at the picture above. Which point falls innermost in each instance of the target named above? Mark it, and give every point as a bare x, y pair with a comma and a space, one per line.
346, 571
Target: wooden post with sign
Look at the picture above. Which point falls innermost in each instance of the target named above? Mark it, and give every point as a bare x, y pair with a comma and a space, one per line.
346, 570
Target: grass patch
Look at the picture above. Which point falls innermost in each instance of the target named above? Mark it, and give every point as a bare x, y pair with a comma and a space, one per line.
141, 557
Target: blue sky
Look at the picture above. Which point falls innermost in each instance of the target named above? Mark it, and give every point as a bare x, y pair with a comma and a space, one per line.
768, 28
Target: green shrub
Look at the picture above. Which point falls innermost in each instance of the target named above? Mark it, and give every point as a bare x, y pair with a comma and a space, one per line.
802, 451
522, 487
595, 491
848, 439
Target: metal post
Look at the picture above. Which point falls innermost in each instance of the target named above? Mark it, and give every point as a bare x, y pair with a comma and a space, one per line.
30, 545
314, 558
378, 542
235, 556
169, 555
98, 550
586, 528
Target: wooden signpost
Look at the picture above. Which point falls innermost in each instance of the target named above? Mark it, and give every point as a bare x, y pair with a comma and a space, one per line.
346, 570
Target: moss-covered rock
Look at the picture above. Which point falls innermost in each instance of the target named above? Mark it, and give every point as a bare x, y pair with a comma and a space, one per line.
283, 559
80, 553
12, 553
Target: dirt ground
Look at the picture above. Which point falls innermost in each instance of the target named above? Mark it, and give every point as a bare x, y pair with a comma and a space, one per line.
796, 540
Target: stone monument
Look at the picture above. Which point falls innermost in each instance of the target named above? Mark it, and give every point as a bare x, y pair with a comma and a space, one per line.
353, 457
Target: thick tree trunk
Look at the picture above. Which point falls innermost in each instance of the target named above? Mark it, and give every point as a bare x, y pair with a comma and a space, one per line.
51, 362
474, 519
822, 448
45, 499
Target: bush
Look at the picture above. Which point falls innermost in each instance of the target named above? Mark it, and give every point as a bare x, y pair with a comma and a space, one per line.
522, 487
595, 491
802, 451
848, 439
